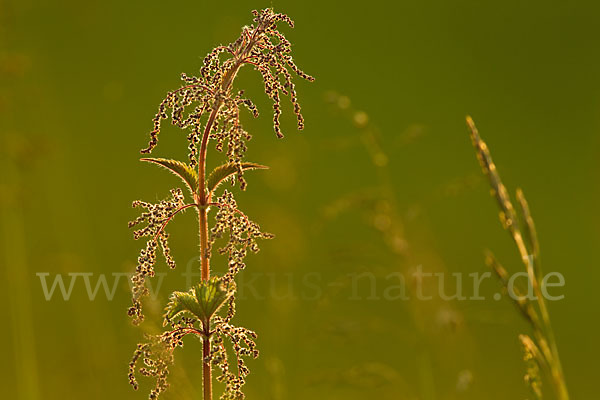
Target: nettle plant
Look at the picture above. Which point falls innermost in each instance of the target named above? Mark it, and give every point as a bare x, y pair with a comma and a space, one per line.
209, 109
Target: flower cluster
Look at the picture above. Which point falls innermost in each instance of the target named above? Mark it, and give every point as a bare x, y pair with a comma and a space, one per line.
156, 356
155, 217
242, 340
208, 99
242, 234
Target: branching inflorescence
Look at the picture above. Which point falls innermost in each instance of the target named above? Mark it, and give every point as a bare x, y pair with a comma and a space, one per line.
541, 351
208, 109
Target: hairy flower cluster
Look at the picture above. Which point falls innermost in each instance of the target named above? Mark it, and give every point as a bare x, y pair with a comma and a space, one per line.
156, 357
155, 217
208, 99
242, 340
242, 234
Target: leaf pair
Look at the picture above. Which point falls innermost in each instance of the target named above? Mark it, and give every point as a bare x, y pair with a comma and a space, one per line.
203, 300
189, 176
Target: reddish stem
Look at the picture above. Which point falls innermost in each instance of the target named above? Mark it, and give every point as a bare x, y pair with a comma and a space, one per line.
202, 197
162, 228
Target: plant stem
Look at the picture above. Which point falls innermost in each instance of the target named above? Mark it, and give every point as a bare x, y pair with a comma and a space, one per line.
206, 370
553, 359
203, 198
204, 257
558, 378
203, 203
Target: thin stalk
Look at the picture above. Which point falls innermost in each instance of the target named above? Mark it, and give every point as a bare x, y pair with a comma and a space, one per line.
206, 370
204, 257
558, 378
203, 200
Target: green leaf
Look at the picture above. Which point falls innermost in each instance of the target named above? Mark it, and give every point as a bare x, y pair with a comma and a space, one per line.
210, 296
180, 302
225, 171
202, 301
182, 170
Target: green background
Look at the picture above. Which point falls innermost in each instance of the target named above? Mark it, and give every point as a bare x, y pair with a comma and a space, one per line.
80, 82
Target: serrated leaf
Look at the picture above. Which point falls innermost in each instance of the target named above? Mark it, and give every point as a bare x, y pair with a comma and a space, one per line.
210, 296
180, 302
182, 170
225, 171
202, 301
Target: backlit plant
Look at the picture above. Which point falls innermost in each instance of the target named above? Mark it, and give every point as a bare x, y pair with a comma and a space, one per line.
208, 108
541, 350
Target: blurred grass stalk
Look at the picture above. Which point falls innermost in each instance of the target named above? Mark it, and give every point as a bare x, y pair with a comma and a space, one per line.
543, 350
14, 258
383, 202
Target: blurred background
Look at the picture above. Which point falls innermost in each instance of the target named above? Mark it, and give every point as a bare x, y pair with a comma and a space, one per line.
383, 180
